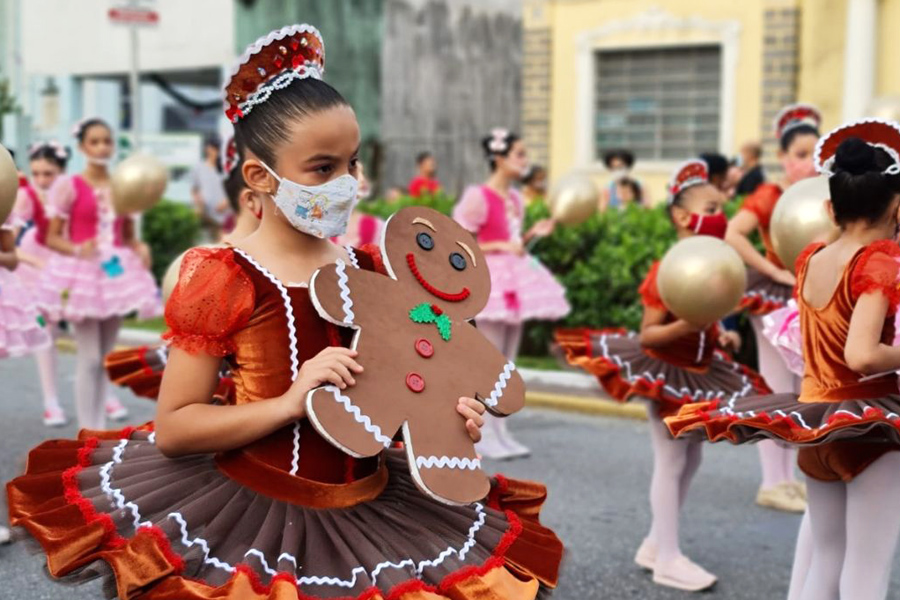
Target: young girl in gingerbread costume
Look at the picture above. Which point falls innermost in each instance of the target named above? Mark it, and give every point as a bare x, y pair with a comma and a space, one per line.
845, 419
246, 500
522, 289
669, 363
770, 286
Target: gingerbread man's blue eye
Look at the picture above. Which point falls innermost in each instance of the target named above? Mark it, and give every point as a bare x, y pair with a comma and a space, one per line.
425, 241
458, 261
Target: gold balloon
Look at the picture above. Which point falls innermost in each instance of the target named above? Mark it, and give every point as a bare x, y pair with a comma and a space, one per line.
170, 279
9, 183
800, 218
701, 279
138, 183
573, 199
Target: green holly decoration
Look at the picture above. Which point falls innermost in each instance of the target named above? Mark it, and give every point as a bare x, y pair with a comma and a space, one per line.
431, 313
41, 321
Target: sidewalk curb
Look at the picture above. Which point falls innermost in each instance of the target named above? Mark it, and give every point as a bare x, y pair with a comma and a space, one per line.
591, 406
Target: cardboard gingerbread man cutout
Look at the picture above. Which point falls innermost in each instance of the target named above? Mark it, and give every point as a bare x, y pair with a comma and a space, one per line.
419, 351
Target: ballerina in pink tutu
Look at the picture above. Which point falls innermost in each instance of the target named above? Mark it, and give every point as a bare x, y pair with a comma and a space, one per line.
522, 289
47, 161
99, 272
21, 327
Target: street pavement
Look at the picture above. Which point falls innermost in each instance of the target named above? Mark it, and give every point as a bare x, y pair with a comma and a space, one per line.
597, 470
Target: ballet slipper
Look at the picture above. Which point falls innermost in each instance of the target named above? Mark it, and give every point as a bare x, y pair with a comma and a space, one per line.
646, 555
55, 417
683, 574
781, 497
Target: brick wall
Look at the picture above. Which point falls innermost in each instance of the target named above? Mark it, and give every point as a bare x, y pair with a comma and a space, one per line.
781, 50
536, 73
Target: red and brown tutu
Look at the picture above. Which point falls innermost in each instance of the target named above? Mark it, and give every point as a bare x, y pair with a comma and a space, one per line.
113, 506
764, 295
140, 369
627, 370
784, 418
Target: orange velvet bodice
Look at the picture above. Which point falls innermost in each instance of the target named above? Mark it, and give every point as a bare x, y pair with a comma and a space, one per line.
227, 305
762, 204
692, 351
827, 377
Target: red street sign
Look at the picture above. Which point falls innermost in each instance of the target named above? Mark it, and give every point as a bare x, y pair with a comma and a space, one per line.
133, 16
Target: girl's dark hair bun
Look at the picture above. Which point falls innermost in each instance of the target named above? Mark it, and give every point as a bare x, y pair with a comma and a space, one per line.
855, 157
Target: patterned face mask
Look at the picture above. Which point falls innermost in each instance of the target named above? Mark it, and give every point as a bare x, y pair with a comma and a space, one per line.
323, 210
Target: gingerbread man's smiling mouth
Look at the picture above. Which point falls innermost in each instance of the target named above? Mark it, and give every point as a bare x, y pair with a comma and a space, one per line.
447, 296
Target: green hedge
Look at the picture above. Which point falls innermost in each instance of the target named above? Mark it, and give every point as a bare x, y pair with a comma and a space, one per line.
439, 201
169, 228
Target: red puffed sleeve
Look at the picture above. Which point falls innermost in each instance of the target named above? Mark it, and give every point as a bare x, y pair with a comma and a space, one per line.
762, 203
649, 292
374, 252
212, 300
877, 270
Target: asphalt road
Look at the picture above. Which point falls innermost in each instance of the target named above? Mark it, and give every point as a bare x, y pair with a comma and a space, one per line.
597, 470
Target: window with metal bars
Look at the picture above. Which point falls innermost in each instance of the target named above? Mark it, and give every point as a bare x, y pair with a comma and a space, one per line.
660, 103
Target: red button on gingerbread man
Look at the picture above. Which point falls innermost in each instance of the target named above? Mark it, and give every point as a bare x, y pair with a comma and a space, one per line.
420, 354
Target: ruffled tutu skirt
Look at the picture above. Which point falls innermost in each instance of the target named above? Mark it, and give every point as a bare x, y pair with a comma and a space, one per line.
625, 371
140, 369
764, 295
784, 418
114, 285
522, 289
111, 505
28, 273
782, 328
22, 328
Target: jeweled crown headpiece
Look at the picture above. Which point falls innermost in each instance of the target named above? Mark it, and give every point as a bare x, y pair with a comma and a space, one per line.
794, 115
688, 174
271, 63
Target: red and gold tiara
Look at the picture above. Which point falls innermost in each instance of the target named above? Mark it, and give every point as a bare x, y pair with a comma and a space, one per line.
875, 132
271, 63
794, 115
688, 174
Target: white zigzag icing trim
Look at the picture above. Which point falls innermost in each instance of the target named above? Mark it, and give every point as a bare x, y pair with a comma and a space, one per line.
295, 460
163, 353
189, 542
362, 419
695, 395
446, 462
352, 254
341, 269
495, 396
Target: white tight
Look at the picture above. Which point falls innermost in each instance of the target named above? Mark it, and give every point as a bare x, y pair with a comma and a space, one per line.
506, 337
94, 339
46, 365
854, 527
776, 462
675, 462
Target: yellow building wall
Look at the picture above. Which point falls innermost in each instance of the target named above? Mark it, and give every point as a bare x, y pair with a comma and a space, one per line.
888, 75
571, 18
822, 32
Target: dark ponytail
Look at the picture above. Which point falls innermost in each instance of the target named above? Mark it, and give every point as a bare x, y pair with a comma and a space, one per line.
860, 189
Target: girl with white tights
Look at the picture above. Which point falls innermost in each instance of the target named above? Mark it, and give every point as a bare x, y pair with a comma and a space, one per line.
98, 272
843, 420
770, 286
521, 288
47, 161
670, 364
